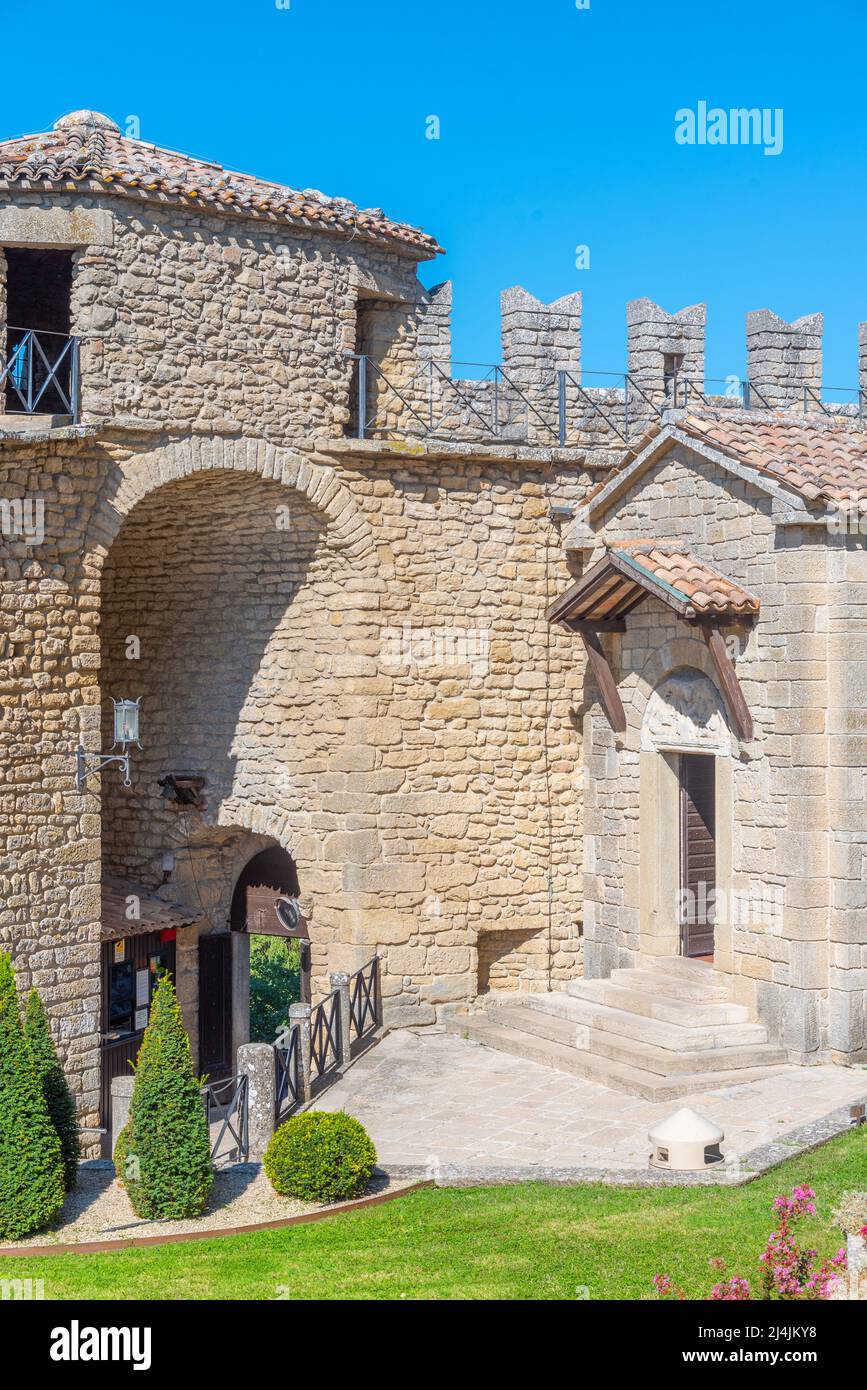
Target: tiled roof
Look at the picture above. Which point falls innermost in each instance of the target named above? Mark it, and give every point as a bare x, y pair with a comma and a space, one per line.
630, 571
821, 462
86, 149
703, 587
154, 913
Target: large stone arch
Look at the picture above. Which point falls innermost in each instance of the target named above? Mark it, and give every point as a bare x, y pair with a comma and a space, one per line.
136, 474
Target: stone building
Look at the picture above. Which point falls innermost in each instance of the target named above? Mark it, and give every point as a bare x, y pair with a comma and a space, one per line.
240, 484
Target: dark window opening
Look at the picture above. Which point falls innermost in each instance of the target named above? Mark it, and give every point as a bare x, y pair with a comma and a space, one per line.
672, 365
38, 300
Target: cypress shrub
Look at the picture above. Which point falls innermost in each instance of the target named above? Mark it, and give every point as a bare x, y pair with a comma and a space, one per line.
31, 1158
320, 1157
55, 1088
168, 1138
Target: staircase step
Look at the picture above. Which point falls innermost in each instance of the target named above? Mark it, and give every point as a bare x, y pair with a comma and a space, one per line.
674, 984
591, 1066
673, 1037
634, 1052
690, 1013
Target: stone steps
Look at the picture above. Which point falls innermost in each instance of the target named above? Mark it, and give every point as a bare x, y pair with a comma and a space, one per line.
477, 1027
660, 1031
654, 1003
633, 1052
673, 1037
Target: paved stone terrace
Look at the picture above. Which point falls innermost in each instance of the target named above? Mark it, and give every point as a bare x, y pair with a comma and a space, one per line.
452, 1109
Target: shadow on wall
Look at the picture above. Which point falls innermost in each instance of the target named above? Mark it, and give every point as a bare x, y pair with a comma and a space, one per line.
208, 610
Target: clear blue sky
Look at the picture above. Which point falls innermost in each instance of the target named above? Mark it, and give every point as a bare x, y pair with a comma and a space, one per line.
557, 129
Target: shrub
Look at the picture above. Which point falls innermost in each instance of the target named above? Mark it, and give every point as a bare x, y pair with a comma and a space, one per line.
55, 1088
320, 1157
126, 1165
168, 1131
31, 1158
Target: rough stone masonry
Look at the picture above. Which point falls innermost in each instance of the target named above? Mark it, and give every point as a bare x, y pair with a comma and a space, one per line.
345, 637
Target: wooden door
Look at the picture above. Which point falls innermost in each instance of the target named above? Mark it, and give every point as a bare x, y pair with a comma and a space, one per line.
697, 853
215, 1005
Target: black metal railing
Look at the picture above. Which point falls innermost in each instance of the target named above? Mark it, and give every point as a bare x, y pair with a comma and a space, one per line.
39, 373
364, 1002
548, 407
225, 1105
325, 1035
287, 1072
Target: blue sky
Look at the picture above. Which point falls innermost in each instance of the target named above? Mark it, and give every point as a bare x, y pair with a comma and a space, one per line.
557, 130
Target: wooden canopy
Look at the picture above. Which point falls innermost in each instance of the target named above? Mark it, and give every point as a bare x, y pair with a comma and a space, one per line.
153, 913
636, 570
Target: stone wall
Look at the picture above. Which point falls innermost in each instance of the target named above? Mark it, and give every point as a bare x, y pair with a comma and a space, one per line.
794, 938
351, 648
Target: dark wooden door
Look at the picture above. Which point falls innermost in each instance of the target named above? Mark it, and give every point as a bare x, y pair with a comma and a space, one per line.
697, 853
215, 1005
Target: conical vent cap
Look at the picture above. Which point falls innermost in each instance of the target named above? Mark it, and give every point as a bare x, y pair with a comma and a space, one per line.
685, 1127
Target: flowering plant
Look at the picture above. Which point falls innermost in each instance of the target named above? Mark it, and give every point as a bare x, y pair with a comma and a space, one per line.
787, 1270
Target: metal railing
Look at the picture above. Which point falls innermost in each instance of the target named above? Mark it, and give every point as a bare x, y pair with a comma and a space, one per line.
37, 372
555, 407
326, 1035
288, 1091
226, 1110
364, 1003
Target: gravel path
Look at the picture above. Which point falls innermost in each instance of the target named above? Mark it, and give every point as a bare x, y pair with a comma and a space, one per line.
99, 1209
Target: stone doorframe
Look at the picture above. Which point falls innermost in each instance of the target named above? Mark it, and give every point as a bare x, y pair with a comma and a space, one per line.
682, 711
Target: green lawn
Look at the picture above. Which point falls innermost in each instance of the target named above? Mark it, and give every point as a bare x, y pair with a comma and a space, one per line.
528, 1242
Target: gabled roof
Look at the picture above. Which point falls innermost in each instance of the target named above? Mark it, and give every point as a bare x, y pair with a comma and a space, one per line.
814, 460
86, 150
633, 570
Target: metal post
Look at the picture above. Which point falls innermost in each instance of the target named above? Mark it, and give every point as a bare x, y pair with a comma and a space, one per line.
377, 992
496, 414
561, 406
73, 380
300, 1014
747, 395
29, 349
340, 983
430, 402
362, 395
626, 408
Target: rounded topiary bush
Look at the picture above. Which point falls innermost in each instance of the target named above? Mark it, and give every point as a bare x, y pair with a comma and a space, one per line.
320, 1157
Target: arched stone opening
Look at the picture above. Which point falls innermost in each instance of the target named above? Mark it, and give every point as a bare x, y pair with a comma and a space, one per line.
222, 606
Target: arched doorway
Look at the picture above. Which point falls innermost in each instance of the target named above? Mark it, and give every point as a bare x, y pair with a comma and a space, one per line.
249, 976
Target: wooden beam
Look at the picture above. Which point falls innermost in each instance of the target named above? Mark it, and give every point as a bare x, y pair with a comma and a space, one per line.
604, 679
729, 683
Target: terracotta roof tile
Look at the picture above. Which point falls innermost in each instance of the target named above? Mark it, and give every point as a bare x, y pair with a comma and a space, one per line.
822, 462
699, 584
86, 148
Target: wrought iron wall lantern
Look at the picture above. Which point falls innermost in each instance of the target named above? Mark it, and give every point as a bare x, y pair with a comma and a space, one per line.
126, 733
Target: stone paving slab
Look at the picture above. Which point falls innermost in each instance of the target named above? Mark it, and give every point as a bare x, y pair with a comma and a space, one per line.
440, 1106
